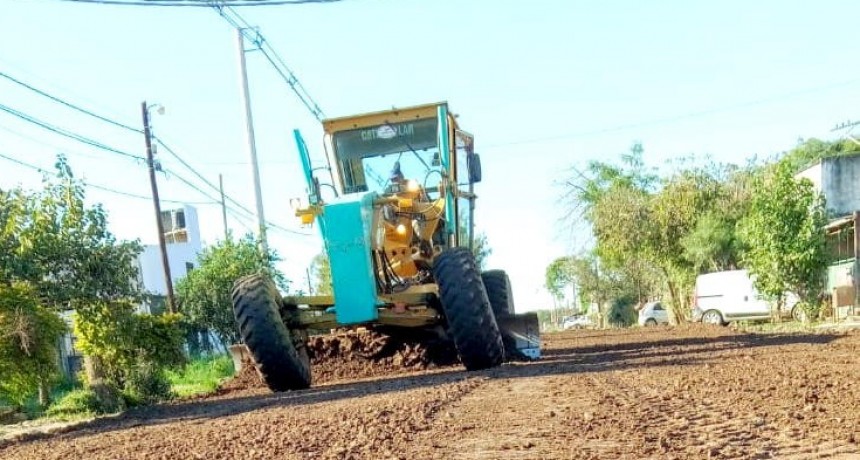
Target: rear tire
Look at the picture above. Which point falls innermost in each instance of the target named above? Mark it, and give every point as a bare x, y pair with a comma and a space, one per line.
713, 317
467, 308
498, 286
650, 322
256, 307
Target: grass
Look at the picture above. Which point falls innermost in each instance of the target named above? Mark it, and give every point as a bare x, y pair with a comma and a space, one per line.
76, 404
200, 376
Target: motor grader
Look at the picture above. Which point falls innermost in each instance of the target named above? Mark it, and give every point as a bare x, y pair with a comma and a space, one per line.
397, 223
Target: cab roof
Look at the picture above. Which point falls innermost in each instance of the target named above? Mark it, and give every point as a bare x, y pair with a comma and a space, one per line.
394, 115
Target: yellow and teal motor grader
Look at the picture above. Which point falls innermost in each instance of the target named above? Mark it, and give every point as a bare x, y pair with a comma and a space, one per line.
398, 232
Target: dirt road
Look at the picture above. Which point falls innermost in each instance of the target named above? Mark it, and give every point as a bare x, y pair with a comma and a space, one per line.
662, 393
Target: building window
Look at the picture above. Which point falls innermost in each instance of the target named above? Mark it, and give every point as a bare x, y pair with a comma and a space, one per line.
188, 267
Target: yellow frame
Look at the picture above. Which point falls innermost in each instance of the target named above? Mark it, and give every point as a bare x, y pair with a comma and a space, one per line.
365, 120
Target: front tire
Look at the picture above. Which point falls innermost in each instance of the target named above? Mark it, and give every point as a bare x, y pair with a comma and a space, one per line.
467, 308
256, 307
650, 322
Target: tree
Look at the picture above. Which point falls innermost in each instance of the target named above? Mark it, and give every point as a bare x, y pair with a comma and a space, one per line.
62, 250
655, 234
559, 275
321, 272
784, 237
204, 294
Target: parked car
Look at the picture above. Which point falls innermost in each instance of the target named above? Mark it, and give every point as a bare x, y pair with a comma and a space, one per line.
577, 322
727, 296
652, 314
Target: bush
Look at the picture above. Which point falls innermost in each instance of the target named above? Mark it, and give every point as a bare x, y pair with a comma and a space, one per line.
621, 313
132, 349
146, 384
29, 334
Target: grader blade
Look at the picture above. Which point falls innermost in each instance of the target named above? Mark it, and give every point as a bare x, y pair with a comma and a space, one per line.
521, 335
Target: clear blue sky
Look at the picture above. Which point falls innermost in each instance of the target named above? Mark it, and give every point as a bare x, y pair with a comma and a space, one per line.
543, 85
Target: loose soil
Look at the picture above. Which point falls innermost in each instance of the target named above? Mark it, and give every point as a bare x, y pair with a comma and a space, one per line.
690, 392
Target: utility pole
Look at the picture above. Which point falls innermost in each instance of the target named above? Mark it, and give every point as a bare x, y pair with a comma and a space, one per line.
249, 138
310, 286
223, 206
163, 246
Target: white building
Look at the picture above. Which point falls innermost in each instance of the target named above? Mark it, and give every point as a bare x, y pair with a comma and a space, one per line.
182, 238
838, 179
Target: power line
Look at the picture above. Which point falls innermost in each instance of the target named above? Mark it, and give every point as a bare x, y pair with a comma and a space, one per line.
91, 142
199, 176
200, 3
253, 35
68, 134
102, 187
46, 144
69, 104
217, 189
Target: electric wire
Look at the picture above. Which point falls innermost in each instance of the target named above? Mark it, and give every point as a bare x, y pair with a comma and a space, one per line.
102, 187
271, 55
199, 176
69, 134
69, 104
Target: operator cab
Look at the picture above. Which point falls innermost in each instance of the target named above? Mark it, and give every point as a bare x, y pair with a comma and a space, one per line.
424, 143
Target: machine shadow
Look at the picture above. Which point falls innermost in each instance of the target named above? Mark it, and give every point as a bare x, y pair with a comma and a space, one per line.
558, 361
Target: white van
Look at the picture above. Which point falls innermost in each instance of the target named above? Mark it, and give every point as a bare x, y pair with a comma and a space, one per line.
730, 296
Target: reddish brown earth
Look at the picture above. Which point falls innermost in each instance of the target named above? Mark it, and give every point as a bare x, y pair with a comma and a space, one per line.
661, 393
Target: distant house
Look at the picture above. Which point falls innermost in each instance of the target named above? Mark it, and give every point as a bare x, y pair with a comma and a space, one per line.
182, 238
838, 180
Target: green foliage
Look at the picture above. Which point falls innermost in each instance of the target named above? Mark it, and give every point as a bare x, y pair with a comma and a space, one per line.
784, 237
201, 376
29, 334
654, 235
129, 345
559, 275
204, 295
321, 271
481, 250
809, 151
621, 313
146, 383
75, 404
52, 240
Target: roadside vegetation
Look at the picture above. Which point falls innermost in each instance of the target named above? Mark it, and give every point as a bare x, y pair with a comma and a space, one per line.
654, 233
62, 271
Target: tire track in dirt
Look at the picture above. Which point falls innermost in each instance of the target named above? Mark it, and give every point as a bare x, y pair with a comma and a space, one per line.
378, 425
656, 393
